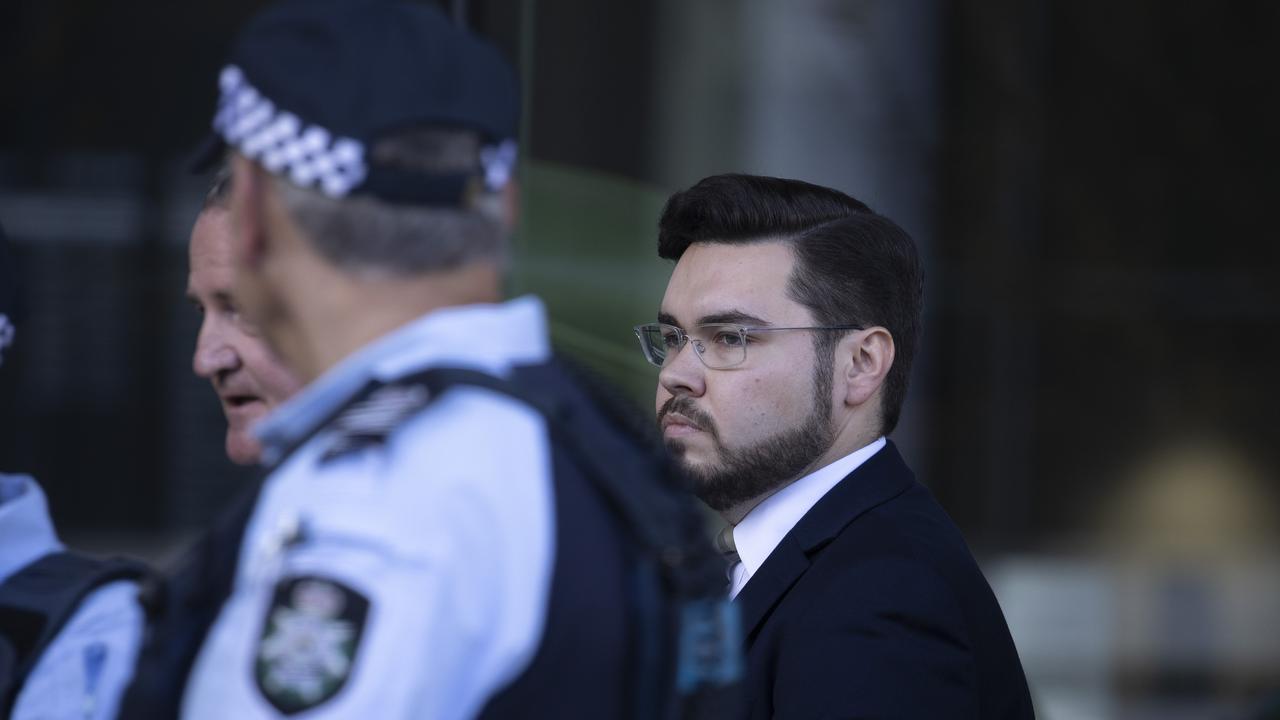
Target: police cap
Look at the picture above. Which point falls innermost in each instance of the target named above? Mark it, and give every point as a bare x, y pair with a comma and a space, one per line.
312, 85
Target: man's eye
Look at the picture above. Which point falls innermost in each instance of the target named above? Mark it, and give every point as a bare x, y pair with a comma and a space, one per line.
671, 339
243, 323
729, 338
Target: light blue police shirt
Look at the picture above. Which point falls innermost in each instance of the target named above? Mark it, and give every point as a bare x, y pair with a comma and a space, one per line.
86, 668
406, 579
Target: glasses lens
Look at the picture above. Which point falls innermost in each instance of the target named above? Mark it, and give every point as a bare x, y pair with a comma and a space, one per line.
722, 346
658, 342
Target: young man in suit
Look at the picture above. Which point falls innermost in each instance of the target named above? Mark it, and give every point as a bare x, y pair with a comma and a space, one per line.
785, 341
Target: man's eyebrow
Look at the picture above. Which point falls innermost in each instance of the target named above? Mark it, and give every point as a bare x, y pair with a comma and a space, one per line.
667, 318
221, 299
733, 317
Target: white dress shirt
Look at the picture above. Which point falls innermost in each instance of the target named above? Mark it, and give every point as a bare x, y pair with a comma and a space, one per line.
447, 530
82, 673
764, 527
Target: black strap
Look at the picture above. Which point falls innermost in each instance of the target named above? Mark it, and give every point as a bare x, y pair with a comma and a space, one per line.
679, 581
38, 600
181, 607
645, 525
648, 524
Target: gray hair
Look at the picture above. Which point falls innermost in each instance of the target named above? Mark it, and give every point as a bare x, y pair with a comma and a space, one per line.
219, 193
365, 233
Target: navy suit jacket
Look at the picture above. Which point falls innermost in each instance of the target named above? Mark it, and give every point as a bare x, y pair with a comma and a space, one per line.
873, 607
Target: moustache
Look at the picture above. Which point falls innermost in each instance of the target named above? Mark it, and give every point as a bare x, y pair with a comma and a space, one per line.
683, 405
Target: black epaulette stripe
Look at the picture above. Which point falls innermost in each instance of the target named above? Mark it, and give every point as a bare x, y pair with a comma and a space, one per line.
370, 421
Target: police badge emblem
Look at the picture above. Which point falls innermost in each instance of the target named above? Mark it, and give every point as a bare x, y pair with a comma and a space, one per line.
309, 642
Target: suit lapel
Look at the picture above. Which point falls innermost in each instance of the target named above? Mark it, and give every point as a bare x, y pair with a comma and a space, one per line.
882, 477
766, 587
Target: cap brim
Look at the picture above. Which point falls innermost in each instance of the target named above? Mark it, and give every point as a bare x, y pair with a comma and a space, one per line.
208, 154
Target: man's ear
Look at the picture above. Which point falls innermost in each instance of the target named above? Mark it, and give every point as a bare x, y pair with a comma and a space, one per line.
247, 212
867, 356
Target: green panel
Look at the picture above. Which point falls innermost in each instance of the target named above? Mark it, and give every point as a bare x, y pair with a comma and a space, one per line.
588, 247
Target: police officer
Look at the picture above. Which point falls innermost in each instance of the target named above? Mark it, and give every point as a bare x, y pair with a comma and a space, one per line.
248, 380
453, 526
90, 624
70, 625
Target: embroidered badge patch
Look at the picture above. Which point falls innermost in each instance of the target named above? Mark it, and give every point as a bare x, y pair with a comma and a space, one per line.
309, 642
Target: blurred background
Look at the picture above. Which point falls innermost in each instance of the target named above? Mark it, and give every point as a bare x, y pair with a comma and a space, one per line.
1091, 183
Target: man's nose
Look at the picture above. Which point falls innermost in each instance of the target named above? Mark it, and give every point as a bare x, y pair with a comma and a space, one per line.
213, 355
683, 372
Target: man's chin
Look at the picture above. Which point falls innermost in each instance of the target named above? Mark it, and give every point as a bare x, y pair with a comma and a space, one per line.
696, 449
688, 460
706, 480
242, 448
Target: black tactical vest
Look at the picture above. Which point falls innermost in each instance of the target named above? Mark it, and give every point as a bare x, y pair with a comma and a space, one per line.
638, 624
38, 600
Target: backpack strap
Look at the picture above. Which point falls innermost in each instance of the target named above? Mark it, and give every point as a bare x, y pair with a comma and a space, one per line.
37, 601
683, 609
181, 606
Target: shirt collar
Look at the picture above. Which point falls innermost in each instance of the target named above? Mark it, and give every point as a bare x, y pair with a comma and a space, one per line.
764, 527
490, 338
26, 532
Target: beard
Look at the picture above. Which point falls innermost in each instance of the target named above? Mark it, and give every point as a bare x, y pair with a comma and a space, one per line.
738, 475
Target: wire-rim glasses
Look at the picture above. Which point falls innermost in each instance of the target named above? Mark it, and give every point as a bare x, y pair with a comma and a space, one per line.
718, 345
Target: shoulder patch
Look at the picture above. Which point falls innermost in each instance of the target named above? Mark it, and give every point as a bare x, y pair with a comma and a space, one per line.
369, 420
309, 642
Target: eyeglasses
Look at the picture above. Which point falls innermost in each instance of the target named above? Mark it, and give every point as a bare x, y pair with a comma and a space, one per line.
717, 345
